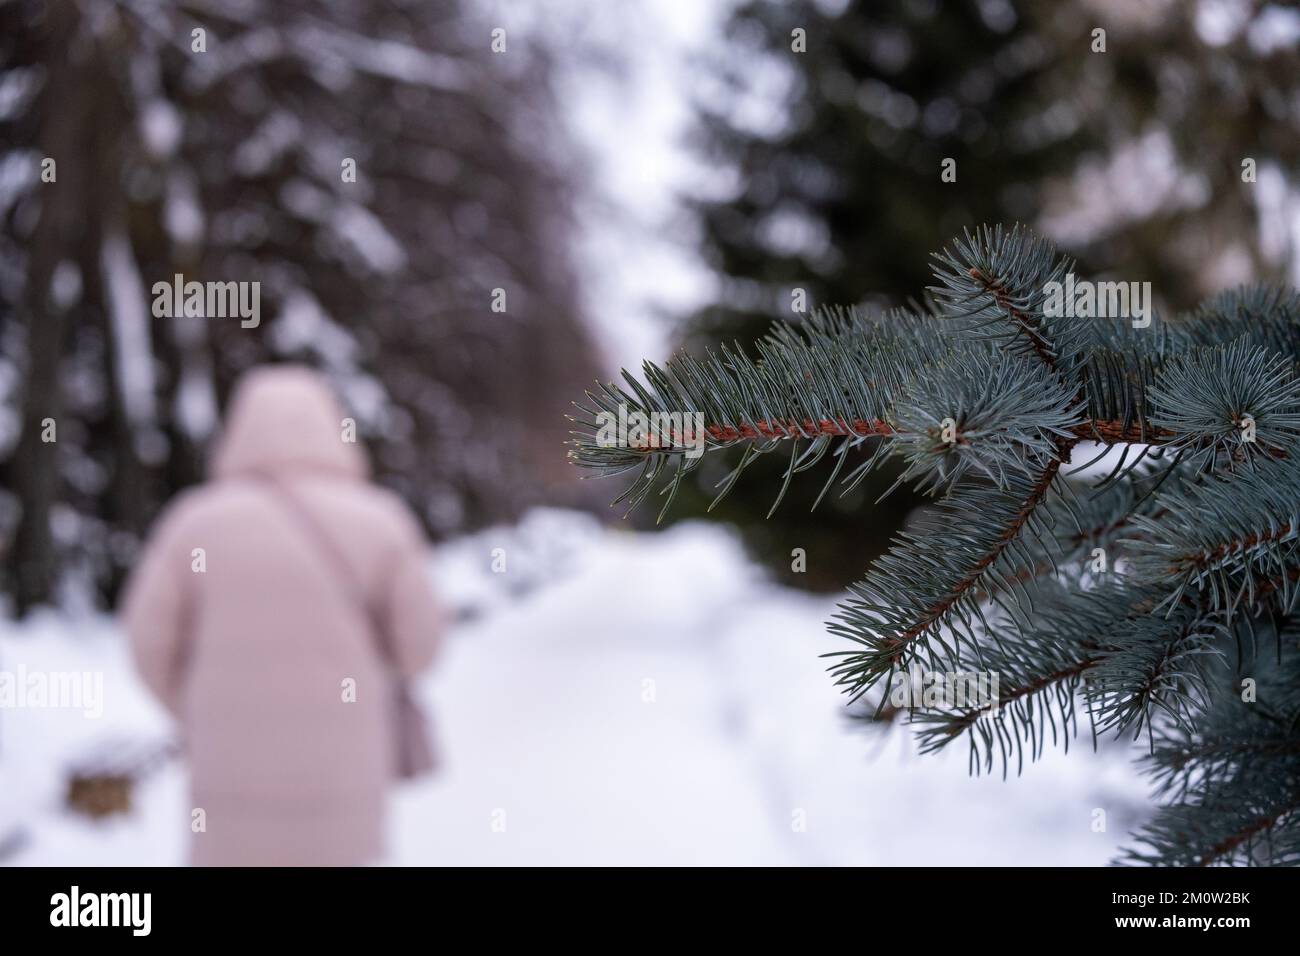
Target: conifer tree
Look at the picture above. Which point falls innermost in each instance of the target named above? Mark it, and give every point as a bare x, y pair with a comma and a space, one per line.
1157, 601
1132, 151
373, 168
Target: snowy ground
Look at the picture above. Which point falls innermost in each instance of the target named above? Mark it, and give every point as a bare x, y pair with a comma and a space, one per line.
612, 698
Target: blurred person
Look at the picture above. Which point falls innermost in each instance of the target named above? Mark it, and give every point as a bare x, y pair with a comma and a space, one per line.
277, 611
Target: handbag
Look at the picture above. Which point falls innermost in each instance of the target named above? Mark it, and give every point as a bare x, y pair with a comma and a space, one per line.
415, 755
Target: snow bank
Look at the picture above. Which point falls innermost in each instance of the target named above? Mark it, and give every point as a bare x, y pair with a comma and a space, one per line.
609, 698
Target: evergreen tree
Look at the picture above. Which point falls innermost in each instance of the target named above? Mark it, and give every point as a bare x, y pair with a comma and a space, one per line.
1158, 601
863, 102
394, 189
874, 99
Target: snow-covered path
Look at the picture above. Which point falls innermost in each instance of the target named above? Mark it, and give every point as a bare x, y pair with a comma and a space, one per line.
687, 720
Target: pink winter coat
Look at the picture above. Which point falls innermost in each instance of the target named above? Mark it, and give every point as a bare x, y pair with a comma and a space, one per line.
244, 632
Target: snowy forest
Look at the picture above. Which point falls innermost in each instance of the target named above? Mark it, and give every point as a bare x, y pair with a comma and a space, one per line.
377, 177
465, 214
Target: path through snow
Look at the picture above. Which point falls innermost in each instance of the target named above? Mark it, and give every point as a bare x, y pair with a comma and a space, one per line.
613, 698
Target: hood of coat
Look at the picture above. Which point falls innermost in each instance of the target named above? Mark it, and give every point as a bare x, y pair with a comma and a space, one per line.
285, 419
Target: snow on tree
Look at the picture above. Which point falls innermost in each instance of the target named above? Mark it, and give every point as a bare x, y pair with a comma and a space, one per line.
397, 192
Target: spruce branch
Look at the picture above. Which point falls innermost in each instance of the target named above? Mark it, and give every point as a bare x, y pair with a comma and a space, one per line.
1122, 603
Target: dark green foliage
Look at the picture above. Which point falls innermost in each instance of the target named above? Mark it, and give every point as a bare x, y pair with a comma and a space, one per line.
1013, 412
1205, 394
1233, 778
1226, 538
886, 92
833, 159
1132, 604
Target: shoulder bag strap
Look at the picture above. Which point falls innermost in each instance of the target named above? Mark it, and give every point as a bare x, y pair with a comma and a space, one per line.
327, 546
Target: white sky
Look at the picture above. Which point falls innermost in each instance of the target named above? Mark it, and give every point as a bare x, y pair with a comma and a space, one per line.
639, 257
